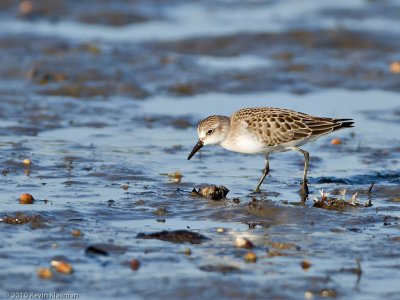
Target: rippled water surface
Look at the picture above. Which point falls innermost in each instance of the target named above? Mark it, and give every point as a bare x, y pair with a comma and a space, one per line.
104, 98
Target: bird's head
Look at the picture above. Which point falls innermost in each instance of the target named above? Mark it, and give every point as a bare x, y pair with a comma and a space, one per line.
212, 130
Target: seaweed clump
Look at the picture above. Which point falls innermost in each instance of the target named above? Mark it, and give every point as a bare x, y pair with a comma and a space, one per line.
328, 202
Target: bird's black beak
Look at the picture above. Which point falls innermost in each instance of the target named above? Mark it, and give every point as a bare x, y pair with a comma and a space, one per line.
195, 149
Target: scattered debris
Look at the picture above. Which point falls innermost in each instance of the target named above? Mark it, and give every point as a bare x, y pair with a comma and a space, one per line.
236, 200
390, 220
331, 203
284, 246
110, 203
175, 177
93, 250
212, 192
183, 89
176, 236
44, 77
161, 211
336, 141
220, 230
91, 48
395, 239
253, 203
273, 253
253, 225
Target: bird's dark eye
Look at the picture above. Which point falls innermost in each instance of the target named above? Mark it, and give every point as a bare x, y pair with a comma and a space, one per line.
210, 131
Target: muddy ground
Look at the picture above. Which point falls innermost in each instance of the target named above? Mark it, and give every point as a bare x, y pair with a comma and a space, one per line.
103, 98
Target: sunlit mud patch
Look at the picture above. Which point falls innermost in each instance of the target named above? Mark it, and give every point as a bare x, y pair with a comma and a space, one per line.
178, 122
224, 269
104, 249
112, 14
35, 221
113, 18
177, 236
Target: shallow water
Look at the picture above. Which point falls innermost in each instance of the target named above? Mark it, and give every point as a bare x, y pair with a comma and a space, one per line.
106, 112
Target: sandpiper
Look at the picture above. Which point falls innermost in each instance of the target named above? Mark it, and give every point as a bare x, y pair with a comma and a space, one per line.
265, 130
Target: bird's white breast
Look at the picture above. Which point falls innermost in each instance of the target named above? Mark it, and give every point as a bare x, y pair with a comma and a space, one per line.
244, 144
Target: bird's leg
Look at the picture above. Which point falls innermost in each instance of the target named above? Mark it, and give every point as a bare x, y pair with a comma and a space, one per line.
304, 186
265, 173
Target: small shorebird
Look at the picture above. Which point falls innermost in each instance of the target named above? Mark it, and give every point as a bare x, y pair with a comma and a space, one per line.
266, 130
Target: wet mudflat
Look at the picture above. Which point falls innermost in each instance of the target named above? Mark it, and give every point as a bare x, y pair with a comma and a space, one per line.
104, 102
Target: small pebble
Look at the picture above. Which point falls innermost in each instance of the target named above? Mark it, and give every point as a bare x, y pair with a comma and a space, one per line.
25, 8
62, 266
242, 242
76, 233
236, 200
308, 295
135, 264
26, 199
250, 257
220, 230
161, 211
27, 161
395, 67
305, 264
44, 273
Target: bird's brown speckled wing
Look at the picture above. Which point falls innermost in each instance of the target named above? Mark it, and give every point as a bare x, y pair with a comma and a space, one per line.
274, 126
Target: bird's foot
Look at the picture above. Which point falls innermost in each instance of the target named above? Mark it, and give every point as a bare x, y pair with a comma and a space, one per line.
257, 191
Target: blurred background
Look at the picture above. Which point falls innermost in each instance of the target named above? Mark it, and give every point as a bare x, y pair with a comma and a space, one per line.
99, 103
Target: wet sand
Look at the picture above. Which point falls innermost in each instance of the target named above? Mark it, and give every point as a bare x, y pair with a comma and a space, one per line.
104, 101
